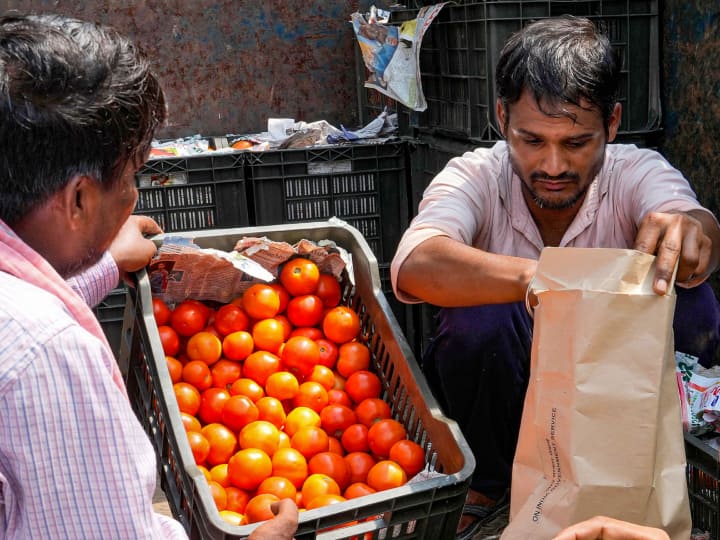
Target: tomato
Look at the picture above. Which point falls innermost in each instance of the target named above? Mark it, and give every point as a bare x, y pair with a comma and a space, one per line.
339, 397
352, 357
300, 417
238, 345
260, 434
332, 465
199, 446
371, 410
290, 464
231, 516
318, 484
355, 438
311, 394
271, 409
300, 355
358, 489
238, 411
282, 294
230, 318
261, 301
311, 332
190, 423
359, 464
247, 387
237, 498
310, 440
175, 368
326, 500
225, 372
161, 312
222, 443
198, 374
188, 318
169, 339
300, 276
212, 402
336, 418
259, 365
268, 335
248, 468
205, 347
188, 397
279, 486
218, 495
328, 352
305, 310
409, 455
282, 385
341, 324
383, 434
328, 290
386, 474
219, 474
286, 325
362, 385
258, 508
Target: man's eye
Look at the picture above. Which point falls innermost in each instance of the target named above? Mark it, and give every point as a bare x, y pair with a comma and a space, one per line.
532, 142
576, 144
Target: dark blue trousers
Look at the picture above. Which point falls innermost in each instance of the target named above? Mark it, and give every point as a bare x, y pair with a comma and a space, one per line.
478, 368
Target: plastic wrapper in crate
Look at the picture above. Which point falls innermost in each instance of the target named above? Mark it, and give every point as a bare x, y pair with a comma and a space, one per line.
429, 508
703, 479
461, 48
204, 191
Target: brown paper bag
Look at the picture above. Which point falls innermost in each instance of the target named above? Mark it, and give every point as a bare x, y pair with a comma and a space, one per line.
601, 430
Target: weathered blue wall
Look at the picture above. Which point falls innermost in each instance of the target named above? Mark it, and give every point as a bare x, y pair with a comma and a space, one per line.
228, 65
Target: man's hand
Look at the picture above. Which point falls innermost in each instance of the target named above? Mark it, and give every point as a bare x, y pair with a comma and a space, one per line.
282, 526
130, 249
687, 238
605, 528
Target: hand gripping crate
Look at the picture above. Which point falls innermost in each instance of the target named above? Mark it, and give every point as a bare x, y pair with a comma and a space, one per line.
428, 509
703, 480
204, 191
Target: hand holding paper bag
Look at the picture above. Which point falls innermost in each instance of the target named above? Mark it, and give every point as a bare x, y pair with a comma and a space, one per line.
601, 429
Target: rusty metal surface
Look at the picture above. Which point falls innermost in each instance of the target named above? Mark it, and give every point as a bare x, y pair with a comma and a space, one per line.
228, 65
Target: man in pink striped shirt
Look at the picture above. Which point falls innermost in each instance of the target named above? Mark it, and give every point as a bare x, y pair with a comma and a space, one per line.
78, 108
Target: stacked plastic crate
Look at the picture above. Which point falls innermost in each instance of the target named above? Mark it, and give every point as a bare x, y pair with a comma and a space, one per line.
457, 63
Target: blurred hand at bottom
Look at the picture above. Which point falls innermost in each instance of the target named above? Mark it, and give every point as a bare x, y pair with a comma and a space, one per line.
605, 528
282, 526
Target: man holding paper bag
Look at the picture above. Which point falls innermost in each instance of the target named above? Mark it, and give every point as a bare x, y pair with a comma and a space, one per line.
555, 181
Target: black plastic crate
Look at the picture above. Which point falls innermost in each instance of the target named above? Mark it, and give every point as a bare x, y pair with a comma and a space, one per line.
703, 479
461, 47
427, 509
204, 191
362, 184
110, 314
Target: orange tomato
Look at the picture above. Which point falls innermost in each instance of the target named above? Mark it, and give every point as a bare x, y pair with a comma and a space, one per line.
205, 347
212, 402
199, 446
311, 332
286, 325
175, 368
218, 495
260, 434
161, 311
328, 352
241, 144
232, 517
300, 355
331, 464
261, 301
362, 385
238, 345
300, 276
305, 310
190, 423
383, 434
409, 455
318, 484
341, 324
324, 500
239, 410
328, 289
230, 318
311, 394
291, 464
248, 467
189, 318
197, 373
188, 397
310, 440
355, 438
370, 410
278, 486
169, 339
283, 294
352, 356
259, 365
271, 410
300, 417
237, 498
335, 446
282, 385
386, 474
336, 418
268, 335
358, 489
258, 508
322, 375
247, 387
339, 397
222, 443
218, 473
225, 372
359, 464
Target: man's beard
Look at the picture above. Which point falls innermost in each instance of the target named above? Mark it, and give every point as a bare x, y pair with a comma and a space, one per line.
91, 257
549, 204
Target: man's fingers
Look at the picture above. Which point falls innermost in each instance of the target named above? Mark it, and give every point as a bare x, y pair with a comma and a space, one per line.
148, 225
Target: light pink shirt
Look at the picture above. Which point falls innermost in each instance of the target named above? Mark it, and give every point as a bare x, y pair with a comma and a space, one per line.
477, 200
74, 460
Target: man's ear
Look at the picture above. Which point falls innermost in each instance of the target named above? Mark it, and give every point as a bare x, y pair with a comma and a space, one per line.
500, 115
79, 199
614, 122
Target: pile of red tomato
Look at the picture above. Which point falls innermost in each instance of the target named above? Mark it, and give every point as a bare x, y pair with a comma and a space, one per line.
278, 400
